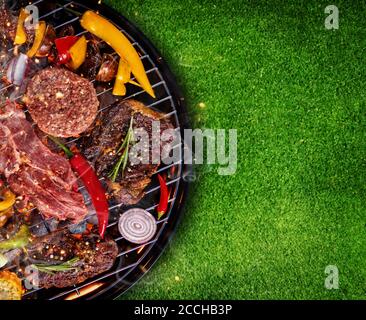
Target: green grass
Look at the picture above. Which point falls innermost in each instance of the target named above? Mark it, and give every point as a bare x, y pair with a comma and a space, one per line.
296, 93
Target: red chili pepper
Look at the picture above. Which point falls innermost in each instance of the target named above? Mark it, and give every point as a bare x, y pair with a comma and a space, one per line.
92, 185
164, 197
95, 189
63, 45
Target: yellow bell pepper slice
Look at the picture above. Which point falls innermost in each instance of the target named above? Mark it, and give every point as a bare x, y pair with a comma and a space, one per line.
134, 83
123, 77
38, 39
21, 35
9, 200
78, 53
119, 89
105, 30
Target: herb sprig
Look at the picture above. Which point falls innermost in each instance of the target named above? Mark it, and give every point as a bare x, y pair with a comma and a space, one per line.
63, 267
123, 160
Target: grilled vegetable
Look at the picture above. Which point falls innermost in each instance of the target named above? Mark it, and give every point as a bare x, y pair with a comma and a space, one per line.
105, 30
95, 189
38, 39
47, 43
3, 260
92, 185
20, 240
63, 46
5, 216
21, 35
108, 69
164, 197
8, 200
123, 77
17, 69
137, 226
10, 286
78, 53
6, 210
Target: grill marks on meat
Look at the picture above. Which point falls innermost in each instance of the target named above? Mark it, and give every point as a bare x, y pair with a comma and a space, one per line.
33, 170
108, 136
95, 257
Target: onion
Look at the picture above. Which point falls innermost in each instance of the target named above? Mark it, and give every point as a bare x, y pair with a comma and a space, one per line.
108, 69
3, 260
17, 69
137, 226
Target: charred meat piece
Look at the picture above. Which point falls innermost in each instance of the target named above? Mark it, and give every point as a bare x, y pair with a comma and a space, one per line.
66, 31
93, 256
101, 146
61, 103
32, 170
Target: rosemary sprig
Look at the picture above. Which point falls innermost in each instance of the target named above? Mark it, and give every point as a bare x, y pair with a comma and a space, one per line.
123, 160
63, 267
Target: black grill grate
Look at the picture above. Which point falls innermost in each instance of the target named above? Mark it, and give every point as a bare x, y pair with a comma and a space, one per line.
133, 260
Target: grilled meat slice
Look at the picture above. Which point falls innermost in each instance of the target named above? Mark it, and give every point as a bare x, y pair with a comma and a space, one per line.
100, 148
32, 170
95, 257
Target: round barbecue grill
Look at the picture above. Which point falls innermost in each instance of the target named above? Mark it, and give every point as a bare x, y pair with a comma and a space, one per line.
133, 260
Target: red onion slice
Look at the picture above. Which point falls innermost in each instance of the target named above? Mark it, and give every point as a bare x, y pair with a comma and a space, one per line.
137, 226
17, 69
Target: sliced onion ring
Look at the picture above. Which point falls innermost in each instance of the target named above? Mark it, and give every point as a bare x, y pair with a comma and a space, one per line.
137, 226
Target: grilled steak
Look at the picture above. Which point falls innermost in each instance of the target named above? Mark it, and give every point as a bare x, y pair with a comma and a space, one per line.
33, 170
61, 103
94, 256
100, 148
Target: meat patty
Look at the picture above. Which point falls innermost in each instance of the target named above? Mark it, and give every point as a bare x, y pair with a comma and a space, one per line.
61, 103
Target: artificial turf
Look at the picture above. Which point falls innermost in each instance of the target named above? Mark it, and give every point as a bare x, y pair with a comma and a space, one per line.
296, 93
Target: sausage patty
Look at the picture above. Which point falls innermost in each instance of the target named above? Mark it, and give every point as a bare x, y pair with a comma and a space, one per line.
61, 103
